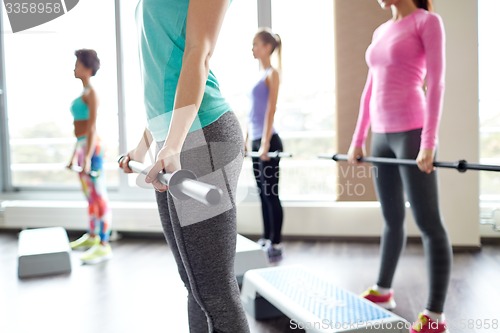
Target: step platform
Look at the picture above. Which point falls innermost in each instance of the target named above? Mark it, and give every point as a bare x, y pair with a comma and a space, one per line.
43, 251
249, 255
312, 303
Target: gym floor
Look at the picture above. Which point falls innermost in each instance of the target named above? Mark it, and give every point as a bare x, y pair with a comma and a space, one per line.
139, 289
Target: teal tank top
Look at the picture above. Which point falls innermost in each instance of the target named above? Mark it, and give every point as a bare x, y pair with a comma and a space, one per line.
79, 109
162, 31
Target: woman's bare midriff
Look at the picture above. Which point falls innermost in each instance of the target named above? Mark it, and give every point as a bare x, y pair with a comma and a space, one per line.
81, 127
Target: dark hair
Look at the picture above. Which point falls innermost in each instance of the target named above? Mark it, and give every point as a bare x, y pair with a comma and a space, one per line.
89, 59
424, 4
268, 37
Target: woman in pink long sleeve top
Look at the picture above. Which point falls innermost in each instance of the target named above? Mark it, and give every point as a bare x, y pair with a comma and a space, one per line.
402, 103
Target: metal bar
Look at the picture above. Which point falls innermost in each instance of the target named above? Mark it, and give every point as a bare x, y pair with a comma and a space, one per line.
461, 165
274, 154
183, 185
79, 169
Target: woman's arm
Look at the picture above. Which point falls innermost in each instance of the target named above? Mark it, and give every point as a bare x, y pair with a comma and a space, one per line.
91, 100
363, 122
246, 139
139, 152
356, 150
72, 160
204, 21
433, 40
273, 83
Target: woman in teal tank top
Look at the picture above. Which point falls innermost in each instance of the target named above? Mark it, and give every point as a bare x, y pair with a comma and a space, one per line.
88, 155
193, 128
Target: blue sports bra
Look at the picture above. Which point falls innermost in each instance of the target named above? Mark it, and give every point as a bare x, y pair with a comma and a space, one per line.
79, 109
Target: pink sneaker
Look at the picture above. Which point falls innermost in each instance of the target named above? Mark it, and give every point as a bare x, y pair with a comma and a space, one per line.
425, 324
386, 301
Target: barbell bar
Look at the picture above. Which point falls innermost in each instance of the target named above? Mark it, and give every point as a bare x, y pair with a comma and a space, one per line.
460, 166
183, 184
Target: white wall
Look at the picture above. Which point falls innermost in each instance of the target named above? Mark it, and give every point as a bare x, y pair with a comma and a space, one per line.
459, 135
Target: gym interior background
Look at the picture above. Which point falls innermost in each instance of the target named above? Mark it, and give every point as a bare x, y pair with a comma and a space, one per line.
323, 75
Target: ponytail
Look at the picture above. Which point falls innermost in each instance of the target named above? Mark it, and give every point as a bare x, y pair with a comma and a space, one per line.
277, 49
424, 4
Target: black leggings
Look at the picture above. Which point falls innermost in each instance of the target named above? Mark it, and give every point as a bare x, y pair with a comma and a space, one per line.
422, 192
267, 176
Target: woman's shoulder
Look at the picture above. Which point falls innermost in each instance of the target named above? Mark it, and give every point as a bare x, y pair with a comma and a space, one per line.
273, 71
89, 93
273, 74
428, 19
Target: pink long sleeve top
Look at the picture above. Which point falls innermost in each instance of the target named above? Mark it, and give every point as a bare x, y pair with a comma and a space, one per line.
404, 56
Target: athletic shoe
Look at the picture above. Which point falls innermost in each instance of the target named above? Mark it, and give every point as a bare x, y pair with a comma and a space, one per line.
274, 254
425, 324
263, 242
85, 242
97, 254
384, 300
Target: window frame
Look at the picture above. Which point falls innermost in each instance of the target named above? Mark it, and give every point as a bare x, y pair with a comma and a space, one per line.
5, 178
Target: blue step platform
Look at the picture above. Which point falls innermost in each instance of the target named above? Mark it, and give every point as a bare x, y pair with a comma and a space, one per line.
313, 303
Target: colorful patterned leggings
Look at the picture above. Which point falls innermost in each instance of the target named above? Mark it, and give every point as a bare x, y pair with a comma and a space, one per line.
94, 189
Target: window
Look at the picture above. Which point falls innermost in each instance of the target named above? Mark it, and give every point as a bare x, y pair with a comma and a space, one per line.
305, 117
489, 99
235, 68
135, 113
40, 124
40, 87
305, 114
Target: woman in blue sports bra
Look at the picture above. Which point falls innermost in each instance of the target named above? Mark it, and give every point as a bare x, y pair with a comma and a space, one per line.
264, 138
88, 155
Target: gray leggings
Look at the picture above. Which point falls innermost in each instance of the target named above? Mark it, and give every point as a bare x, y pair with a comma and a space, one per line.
203, 239
422, 192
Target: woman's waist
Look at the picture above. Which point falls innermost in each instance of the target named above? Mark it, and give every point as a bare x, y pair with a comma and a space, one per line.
159, 122
82, 139
274, 136
80, 127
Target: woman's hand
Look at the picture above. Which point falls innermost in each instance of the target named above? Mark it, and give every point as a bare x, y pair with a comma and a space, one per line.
132, 155
167, 161
138, 153
425, 160
263, 150
354, 154
87, 164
